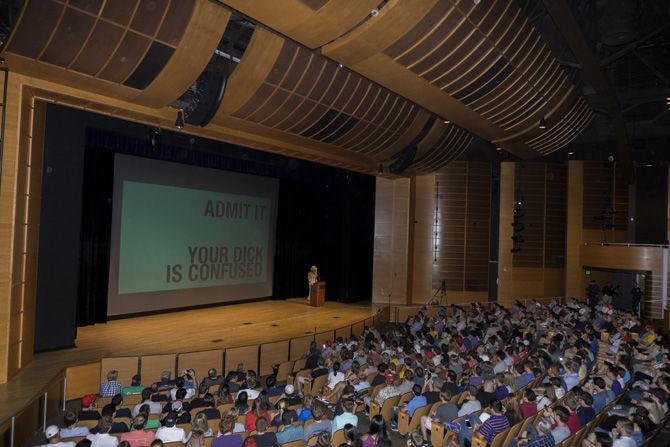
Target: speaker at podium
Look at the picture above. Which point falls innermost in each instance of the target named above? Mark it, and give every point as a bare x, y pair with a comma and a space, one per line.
317, 294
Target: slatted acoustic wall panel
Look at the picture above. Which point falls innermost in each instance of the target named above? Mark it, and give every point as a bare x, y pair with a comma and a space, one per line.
555, 215
601, 194
529, 189
462, 226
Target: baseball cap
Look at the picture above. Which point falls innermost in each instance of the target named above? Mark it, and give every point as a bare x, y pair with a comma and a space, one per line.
170, 420
87, 400
288, 389
51, 431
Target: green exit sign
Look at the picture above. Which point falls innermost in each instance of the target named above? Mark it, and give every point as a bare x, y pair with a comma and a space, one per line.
587, 272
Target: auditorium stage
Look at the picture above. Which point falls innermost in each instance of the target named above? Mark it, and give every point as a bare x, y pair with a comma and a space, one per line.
185, 331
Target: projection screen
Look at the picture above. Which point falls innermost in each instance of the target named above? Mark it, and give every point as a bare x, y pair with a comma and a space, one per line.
185, 236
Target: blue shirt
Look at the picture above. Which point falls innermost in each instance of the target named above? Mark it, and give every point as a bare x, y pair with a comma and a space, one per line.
414, 403
290, 433
74, 432
601, 399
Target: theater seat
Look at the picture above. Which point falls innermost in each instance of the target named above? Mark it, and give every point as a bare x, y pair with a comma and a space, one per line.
298, 443
386, 409
407, 424
338, 438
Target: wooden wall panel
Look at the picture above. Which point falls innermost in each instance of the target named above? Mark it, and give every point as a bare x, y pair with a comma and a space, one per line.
300, 346
555, 216
344, 332
392, 211
422, 224
537, 270
322, 337
529, 189
248, 355
605, 190
201, 362
126, 366
152, 366
573, 266
273, 354
461, 247
357, 329
82, 380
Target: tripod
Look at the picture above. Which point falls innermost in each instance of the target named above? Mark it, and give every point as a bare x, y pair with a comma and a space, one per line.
442, 292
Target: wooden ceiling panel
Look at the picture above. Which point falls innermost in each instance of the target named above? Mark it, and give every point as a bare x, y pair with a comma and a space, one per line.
313, 23
486, 58
156, 47
68, 38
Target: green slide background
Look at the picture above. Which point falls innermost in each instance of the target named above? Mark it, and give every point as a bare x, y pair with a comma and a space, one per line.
159, 223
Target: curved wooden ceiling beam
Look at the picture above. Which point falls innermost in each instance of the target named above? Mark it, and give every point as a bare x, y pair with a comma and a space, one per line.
481, 66
283, 90
148, 53
313, 23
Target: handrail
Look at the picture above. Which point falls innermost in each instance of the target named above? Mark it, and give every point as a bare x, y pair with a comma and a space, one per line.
626, 244
61, 375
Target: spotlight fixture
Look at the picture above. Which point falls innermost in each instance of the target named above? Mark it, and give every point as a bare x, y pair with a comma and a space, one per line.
380, 169
179, 122
340, 65
571, 152
543, 124
498, 148
374, 12
447, 121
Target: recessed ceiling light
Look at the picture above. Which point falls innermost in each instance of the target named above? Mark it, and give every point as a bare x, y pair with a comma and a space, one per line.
447, 121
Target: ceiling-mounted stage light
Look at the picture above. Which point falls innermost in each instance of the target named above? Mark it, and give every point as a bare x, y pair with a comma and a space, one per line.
543, 124
571, 152
380, 169
374, 12
498, 148
340, 65
179, 122
447, 121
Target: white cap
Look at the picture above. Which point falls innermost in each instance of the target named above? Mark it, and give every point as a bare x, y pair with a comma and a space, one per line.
288, 389
51, 431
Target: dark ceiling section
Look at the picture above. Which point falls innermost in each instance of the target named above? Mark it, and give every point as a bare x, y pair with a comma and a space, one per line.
125, 42
203, 98
630, 42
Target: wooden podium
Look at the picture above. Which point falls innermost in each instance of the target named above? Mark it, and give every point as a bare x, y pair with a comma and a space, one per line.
317, 295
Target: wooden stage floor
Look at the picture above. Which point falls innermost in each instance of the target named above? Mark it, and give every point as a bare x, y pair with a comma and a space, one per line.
191, 330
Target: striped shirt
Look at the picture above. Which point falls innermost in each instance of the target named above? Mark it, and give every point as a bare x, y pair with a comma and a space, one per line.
493, 425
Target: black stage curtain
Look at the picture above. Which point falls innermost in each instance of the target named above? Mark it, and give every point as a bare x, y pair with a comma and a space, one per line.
96, 227
325, 217
330, 226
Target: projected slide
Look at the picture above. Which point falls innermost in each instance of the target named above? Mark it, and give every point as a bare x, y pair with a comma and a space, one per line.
185, 236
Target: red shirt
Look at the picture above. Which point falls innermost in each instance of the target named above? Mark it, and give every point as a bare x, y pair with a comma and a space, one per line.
250, 420
573, 423
528, 409
138, 438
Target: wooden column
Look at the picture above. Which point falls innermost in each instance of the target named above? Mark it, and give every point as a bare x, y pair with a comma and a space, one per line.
505, 243
392, 211
573, 266
422, 222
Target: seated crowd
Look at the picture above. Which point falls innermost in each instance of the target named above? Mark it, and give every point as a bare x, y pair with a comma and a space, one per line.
537, 375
